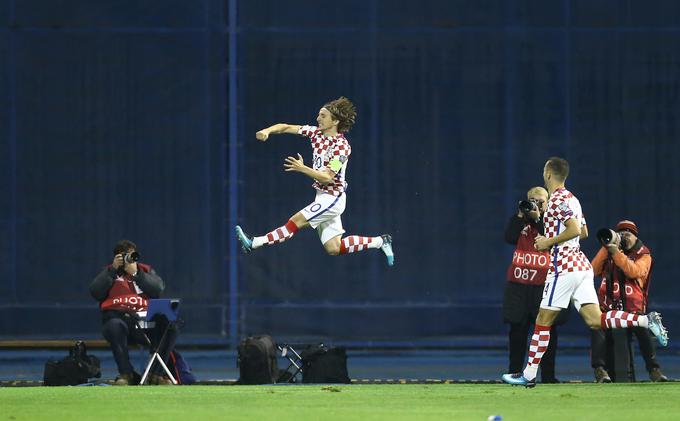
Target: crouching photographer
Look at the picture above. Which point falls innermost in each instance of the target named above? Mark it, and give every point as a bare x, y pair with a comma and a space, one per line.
625, 264
526, 277
123, 289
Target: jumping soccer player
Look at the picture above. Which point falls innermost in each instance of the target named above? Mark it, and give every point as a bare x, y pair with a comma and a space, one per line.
570, 276
329, 164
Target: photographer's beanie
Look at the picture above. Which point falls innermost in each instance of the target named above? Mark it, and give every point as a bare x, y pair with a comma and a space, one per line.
627, 225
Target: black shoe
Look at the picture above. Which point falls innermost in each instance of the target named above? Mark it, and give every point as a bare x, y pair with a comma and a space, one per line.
656, 375
601, 375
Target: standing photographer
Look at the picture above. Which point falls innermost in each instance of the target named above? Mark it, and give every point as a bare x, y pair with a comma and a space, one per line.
122, 289
624, 263
526, 277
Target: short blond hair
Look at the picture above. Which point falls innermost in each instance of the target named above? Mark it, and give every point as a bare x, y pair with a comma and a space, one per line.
538, 190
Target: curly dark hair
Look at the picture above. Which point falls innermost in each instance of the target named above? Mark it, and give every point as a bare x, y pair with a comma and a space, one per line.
123, 246
344, 111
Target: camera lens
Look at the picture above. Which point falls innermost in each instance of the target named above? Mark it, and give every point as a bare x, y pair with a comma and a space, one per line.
526, 206
604, 235
131, 257
607, 236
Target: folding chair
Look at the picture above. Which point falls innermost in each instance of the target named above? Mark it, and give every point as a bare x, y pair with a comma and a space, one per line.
161, 307
289, 353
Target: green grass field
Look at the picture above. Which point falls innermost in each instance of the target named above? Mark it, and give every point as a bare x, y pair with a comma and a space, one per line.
641, 401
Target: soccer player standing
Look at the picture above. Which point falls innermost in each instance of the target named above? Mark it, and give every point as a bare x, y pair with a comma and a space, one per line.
570, 276
331, 152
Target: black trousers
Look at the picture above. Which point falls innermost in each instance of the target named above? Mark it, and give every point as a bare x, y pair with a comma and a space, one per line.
120, 330
520, 308
600, 343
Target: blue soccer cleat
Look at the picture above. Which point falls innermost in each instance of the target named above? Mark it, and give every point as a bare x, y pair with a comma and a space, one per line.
657, 328
246, 241
518, 379
387, 248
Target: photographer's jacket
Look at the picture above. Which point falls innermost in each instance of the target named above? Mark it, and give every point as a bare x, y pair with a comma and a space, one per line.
633, 268
528, 266
123, 292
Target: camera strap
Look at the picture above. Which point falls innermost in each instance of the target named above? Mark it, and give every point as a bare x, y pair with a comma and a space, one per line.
622, 286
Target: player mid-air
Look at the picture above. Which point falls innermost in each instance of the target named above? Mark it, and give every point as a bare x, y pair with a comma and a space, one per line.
331, 152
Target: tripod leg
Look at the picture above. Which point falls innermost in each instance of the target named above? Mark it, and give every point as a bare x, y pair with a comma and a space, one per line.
148, 367
165, 367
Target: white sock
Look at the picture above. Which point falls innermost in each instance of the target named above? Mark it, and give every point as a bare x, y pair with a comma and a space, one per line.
259, 242
530, 372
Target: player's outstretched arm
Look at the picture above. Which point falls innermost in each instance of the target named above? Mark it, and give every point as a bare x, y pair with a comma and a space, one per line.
263, 134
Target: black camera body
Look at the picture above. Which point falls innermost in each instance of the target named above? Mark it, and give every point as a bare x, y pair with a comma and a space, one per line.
527, 206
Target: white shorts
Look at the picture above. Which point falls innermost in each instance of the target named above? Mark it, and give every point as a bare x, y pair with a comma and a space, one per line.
323, 214
560, 289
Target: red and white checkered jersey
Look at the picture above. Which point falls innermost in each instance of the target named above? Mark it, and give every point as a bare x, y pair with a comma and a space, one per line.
567, 256
328, 152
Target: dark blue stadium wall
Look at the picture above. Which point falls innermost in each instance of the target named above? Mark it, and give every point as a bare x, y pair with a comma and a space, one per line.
137, 120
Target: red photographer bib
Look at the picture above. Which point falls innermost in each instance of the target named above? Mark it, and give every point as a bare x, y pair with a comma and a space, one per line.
636, 297
528, 265
125, 295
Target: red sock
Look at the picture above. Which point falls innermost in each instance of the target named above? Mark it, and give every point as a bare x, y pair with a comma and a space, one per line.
354, 243
615, 319
279, 235
537, 347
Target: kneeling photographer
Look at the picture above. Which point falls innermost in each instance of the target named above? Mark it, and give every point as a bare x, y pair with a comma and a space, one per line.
625, 264
123, 289
526, 277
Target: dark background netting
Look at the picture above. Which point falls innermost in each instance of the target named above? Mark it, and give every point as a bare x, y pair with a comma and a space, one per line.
116, 124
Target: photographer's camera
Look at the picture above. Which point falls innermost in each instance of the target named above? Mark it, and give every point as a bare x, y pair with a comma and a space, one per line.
607, 236
526, 206
131, 257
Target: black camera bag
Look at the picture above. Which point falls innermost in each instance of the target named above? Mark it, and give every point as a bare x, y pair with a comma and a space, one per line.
257, 361
321, 364
75, 369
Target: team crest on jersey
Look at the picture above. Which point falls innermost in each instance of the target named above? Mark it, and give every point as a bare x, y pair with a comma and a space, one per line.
564, 207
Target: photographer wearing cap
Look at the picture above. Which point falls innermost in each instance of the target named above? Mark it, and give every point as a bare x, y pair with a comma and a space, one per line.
625, 264
526, 277
122, 289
